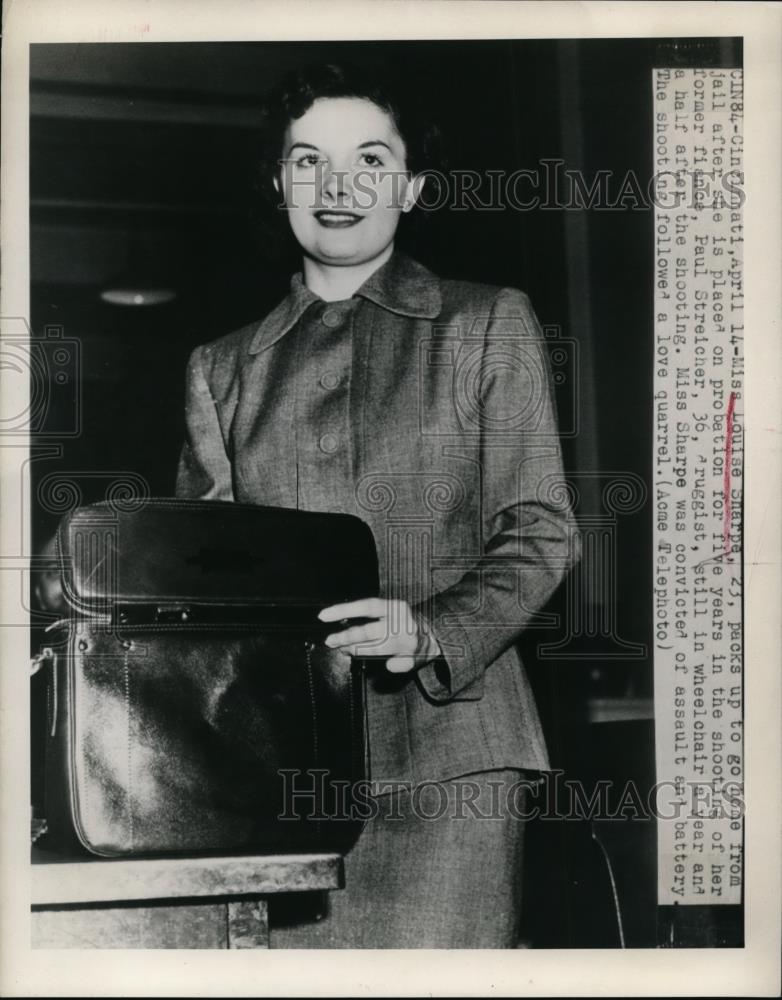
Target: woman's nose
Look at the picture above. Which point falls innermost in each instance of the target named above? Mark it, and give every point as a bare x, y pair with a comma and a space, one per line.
337, 184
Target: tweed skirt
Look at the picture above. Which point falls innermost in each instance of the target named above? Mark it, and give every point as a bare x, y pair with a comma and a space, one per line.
436, 866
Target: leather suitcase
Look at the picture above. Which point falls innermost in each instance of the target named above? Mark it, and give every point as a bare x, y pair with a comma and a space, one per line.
191, 703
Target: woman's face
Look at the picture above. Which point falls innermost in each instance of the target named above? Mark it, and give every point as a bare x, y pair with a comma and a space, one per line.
344, 180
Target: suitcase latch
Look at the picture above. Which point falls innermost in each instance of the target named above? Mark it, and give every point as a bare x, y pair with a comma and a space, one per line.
44, 656
172, 614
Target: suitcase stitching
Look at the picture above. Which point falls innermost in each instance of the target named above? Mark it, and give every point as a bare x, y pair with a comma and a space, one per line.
126, 665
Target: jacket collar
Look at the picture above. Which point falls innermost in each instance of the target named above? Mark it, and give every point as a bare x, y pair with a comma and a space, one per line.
401, 286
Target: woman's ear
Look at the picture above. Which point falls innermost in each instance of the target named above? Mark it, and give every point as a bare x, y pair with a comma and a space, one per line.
413, 193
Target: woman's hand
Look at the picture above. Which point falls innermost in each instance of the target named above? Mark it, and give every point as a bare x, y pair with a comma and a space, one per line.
396, 632
48, 584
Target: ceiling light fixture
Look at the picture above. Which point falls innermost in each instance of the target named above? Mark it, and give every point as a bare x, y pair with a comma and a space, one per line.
137, 296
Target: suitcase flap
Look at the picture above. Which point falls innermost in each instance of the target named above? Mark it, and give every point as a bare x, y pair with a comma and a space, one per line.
173, 561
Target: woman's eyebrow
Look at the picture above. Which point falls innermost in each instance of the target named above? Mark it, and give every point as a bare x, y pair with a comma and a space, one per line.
374, 142
362, 145
303, 145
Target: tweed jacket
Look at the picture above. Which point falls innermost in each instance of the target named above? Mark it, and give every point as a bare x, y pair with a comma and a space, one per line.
423, 406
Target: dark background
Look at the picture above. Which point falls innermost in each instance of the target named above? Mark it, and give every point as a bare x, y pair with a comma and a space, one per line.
143, 170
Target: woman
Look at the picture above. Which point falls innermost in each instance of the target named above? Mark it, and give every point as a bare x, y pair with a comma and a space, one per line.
422, 406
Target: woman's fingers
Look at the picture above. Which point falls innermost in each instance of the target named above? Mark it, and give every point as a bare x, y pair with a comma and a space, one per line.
370, 607
379, 648
48, 592
400, 664
394, 634
372, 632
373, 640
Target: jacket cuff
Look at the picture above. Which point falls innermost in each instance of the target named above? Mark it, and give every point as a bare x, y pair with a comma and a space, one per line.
456, 675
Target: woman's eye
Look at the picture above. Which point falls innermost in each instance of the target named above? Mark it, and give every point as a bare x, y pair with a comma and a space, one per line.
309, 160
372, 160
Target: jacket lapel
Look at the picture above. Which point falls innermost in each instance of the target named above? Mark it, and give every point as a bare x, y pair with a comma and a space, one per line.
401, 286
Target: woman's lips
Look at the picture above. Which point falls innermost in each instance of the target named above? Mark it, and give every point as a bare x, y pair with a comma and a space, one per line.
336, 219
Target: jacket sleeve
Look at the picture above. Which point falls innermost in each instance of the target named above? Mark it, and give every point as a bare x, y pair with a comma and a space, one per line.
528, 530
204, 471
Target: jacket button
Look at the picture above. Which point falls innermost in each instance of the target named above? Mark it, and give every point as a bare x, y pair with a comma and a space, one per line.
329, 380
332, 317
328, 443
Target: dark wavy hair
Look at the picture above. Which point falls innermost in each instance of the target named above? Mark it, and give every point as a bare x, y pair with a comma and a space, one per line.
299, 90
295, 95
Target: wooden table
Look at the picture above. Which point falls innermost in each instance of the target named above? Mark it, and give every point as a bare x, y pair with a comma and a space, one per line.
210, 902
